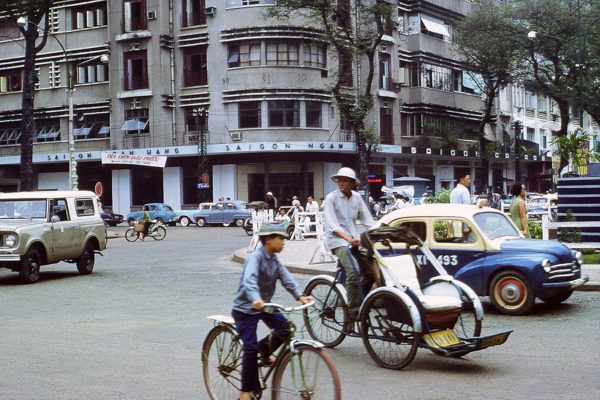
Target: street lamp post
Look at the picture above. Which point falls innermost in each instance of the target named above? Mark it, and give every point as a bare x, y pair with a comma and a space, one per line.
73, 177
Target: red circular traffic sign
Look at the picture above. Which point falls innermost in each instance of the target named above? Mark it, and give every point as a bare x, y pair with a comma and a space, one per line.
98, 189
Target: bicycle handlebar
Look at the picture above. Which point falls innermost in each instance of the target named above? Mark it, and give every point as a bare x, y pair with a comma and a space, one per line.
286, 308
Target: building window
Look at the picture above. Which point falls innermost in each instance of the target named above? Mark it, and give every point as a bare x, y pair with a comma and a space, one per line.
10, 135
386, 132
315, 55
136, 121
385, 73
436, 77
93, 72
89, 17
544, 135
345, 69
193, 13
284, 113
434, 27
249, 113
530, 100
193, 121
314, 111
194, 68
531, 134
91, 126
10, 81
134, 15
136, 70
282, 53
47, 131
9, 30
243, 55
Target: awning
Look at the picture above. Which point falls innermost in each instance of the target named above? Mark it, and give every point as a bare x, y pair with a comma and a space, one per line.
135, 124
435, 27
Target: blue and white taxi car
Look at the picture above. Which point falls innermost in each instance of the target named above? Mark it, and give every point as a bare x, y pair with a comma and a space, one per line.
481, 247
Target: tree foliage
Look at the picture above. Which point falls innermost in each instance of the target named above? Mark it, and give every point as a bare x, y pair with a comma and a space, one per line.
354, 30
574, 147
487, 41
34, 11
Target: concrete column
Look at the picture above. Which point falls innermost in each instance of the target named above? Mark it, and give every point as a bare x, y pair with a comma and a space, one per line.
121, 191
328, 170
172, 187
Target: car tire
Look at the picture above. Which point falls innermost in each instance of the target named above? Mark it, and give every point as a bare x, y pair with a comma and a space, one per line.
30, 266
239, 223
226, 224
201, 222
85, 262
160, 221
511, 294
557, 298
184, 221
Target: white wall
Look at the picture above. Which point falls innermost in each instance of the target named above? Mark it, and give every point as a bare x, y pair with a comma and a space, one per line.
121, 191
328, 170
53, 181
172, 187
224, 181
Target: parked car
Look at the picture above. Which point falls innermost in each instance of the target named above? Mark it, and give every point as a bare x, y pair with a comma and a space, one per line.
539, 205
483, 248
186, 217
227, 213
110, 218
160, 212
46, 227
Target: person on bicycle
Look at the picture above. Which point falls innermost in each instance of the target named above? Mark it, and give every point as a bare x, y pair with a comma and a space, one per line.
261, 271
146, 219
343, 208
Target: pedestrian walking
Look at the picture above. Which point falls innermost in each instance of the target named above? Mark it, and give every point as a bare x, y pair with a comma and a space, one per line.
460, 193
312, 207
272, 203
518, 208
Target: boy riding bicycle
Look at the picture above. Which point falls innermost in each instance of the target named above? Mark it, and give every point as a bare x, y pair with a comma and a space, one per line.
261, 271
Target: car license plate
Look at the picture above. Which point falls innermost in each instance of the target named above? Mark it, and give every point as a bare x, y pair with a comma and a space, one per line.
494, 340
445, 338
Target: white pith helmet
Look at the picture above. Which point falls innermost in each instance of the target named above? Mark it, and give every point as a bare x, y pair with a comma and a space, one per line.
347, 173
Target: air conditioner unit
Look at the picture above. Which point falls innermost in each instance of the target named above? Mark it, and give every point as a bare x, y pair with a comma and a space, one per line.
236, 136
210, 11
151, 14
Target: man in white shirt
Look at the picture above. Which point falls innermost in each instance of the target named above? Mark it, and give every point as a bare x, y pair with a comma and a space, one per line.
312, 207
343, 208
460, 193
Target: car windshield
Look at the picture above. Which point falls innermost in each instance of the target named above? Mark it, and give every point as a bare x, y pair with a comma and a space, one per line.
17, 209
537, 202
495, 225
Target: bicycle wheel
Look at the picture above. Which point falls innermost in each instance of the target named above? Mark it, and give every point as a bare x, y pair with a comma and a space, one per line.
388, 332
222, 363
131, 235
327, 321
160, 233
308, 374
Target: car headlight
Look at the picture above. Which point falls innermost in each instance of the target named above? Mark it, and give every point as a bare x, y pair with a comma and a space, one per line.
546, 265
579, 258
10, 240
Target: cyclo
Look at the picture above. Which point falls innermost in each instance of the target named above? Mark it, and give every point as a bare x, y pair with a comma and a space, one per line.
402, 314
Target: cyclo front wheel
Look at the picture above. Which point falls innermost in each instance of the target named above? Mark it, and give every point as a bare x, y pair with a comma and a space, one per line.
222, 363
160, 233
131, 235
308, 374
328, 320
387, 331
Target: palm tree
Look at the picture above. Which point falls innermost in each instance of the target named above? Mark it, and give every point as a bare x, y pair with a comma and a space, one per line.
574, 147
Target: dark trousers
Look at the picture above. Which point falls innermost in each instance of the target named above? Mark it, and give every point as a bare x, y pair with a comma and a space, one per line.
246, 325
146, 227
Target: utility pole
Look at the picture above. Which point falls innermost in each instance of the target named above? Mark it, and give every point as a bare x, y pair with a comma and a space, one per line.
517, 130
204, 188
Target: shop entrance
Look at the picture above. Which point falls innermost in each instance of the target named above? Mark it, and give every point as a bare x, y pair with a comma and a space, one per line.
283, 186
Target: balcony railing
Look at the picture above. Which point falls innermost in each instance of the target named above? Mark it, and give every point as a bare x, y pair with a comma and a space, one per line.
195, 78
135, 82
193, 19
137, 23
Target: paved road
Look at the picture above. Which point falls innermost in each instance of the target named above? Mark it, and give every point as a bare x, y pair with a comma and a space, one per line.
133, 330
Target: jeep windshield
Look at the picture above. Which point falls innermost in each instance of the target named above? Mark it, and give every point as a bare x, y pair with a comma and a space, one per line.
22, 209
495, 225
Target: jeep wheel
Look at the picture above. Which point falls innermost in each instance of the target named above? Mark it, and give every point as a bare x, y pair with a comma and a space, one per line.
201, 222
85, 263
30, 266
239, 222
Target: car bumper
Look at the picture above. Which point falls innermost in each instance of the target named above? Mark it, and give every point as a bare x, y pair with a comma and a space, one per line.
566, 285
9, 258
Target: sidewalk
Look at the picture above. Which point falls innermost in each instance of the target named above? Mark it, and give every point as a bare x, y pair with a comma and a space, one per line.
297, 254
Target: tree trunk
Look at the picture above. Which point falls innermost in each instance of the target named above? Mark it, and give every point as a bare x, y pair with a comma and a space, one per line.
487, 112
28, 126
563, 108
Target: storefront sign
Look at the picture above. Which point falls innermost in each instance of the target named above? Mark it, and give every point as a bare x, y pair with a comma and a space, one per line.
147, 161
262, 147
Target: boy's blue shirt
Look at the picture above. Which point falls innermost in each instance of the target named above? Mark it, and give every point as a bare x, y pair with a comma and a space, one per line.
259, 279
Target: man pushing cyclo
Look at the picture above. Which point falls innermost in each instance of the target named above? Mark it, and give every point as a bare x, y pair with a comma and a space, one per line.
344, 207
